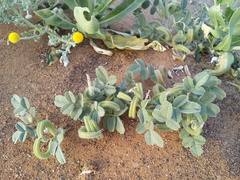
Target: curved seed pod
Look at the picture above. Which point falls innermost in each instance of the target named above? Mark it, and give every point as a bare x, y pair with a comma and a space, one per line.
124, 96
82, 133
41, 126
165, 31
189, 36
133, 107
181, 48
36, 149
137, 93
159, 77
190, 130
139, 88
96, 128
110, 104
86, 120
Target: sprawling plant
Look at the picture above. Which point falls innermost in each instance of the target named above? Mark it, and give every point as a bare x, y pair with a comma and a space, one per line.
222, 33
185, 107
40, 130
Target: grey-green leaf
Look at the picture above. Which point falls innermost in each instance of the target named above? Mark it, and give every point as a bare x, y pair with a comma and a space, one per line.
102, 74
212, 110
60, 156
140, 128
172, 124
196, 150
15, 136
153, 137
119, 126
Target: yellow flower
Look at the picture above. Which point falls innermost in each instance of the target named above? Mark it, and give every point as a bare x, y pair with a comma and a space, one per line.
13, 37
77, 37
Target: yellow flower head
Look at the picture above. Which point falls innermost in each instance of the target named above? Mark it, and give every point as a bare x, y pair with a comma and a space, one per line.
13, 37
77, 37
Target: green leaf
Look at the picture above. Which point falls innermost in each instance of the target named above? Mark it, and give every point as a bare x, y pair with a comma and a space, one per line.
23, 136
212, 110
67, 109
60, 101
162, 127
142, 115
183, 134
77, 111
60, 156
153, 10
180, 101
140, 62
119, 126
188, 83
216, 17
163, 98
20, 127
207, 98
15, 136
220, 94
70, 97
144, 74
60, 138
109, 90
153, 137
149, 125
198, 90
166, 109
140, 128
55, 17
15, 100
25, 103
19, 111
201, 78
146, 4
196, 150
112, 80
172, 124
32, 112
187, 142
199, 140
190, 108
89, 27
110, 123
53, 147
102, 74
157, 115
75, 3
134, 68
121, 11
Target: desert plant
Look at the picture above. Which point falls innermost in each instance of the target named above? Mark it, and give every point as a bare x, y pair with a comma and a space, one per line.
30, 125
185, 106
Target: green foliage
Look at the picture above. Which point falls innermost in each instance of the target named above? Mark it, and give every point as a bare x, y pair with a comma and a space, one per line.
36, 129
185, 106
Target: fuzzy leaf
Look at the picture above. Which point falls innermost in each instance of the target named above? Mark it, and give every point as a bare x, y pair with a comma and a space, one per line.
140, 128
190, 108
134, 68
15, 136
180, 101
119, 126
60, 156
207, 98
166, 109
55, 17
172, 124
109, 90
212, 110
157, 115
187, 142
16, 101
153, 137
142, 115
196, 150
201, 78
102, 74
